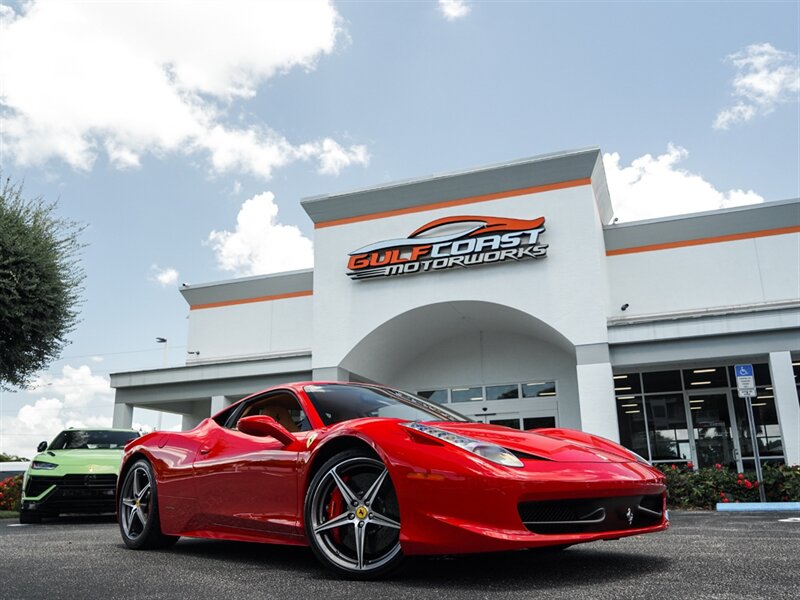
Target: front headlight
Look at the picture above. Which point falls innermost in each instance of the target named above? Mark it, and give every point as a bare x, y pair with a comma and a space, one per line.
40, 464
492, 452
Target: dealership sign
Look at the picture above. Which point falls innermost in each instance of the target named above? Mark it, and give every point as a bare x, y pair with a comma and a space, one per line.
450, 242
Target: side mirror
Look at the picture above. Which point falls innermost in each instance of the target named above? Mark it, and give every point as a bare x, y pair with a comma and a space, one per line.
41, 447
263, 426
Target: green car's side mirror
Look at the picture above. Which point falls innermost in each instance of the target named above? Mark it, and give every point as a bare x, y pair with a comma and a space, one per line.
41, 447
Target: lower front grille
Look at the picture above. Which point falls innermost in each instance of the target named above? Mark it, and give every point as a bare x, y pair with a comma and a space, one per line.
592, 515
89, 485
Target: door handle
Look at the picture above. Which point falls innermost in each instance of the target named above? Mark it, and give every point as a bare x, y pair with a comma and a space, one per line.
205, 450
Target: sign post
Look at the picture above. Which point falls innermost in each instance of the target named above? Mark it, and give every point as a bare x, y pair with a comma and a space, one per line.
746, 388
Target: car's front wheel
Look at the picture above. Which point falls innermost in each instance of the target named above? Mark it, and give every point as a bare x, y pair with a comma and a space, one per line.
352, 517
138, 510
27, 517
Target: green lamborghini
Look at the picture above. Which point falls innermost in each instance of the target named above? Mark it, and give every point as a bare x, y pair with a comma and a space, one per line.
75, 473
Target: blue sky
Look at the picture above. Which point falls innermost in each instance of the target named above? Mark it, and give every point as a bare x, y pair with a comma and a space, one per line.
157, 123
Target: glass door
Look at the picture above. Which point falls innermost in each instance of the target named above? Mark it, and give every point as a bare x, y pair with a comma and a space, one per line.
713, 430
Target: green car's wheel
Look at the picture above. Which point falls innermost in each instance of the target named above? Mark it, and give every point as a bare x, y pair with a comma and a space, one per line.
28, 517
352, 517
138, 510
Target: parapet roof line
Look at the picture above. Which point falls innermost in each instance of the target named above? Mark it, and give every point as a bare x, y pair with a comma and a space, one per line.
539, 173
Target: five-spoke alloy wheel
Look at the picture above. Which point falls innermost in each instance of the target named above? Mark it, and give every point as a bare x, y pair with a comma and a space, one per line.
352, 517
138, 509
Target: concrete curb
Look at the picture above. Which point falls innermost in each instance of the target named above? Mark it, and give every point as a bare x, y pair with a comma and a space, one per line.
758, 506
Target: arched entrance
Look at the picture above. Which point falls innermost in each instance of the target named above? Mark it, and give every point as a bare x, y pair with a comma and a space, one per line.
489, 361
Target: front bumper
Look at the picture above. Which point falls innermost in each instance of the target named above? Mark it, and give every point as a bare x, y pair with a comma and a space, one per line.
483, 508
69, 494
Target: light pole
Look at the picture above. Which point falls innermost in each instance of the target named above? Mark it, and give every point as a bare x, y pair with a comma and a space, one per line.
162, 340
165, 341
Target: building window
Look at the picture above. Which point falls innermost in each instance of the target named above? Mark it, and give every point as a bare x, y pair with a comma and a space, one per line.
796, 367
668, 434
765, 415
705, 378
662, 381
696, 414
538, 422
438, 396
506, 391
632, 424
539, 389
513, 422
502, 392
627, 384
466, 394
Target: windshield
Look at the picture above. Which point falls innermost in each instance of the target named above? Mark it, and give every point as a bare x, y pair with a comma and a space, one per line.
81, 439
337, 402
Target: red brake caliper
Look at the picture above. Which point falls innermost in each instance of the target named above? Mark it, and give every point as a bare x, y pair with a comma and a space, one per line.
336, 506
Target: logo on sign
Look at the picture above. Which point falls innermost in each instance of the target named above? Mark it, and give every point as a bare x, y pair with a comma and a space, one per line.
745, 380
463, 241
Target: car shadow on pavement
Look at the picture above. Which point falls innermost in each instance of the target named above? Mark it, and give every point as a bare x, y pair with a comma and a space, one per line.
531, 569
518, 570
249, 554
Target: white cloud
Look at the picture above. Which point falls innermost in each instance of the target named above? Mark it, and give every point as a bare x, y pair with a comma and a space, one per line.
260, 244
333, 157
134, 78
77, 387
656, 187
765, 77
76, 398
453, 9
165, 276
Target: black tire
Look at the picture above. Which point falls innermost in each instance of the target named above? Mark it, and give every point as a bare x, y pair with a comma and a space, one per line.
137, 507
356, 537
30, 517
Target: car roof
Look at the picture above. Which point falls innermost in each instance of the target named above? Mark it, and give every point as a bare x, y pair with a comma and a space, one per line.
128, 430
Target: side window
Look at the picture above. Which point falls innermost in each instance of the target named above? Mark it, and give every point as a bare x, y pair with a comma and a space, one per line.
281, 406
226, 415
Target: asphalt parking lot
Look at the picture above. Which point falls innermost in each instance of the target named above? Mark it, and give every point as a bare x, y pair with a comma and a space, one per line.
703, 555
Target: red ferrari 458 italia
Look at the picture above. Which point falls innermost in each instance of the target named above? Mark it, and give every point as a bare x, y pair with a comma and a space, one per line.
366, 475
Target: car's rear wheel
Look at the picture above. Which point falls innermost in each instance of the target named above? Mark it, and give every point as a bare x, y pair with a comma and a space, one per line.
352, 517
137, 507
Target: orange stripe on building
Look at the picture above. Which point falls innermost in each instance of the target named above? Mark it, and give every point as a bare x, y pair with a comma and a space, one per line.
709, 240
458, 202
251, 300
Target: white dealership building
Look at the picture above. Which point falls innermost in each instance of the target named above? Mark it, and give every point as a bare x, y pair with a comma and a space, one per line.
509, 293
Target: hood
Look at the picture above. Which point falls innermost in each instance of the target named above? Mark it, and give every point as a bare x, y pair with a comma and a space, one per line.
82, 461
537, 444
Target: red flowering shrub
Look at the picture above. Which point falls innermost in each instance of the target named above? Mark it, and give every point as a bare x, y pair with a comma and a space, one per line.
10, 493
687, 488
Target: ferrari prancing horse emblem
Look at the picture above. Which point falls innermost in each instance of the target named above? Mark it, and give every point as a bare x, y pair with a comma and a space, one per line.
629, 516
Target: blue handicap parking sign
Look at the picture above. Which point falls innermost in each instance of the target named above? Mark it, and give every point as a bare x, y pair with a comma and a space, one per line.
743, 370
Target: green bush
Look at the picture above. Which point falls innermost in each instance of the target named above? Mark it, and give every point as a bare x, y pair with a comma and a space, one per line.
10, 492
703, 488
